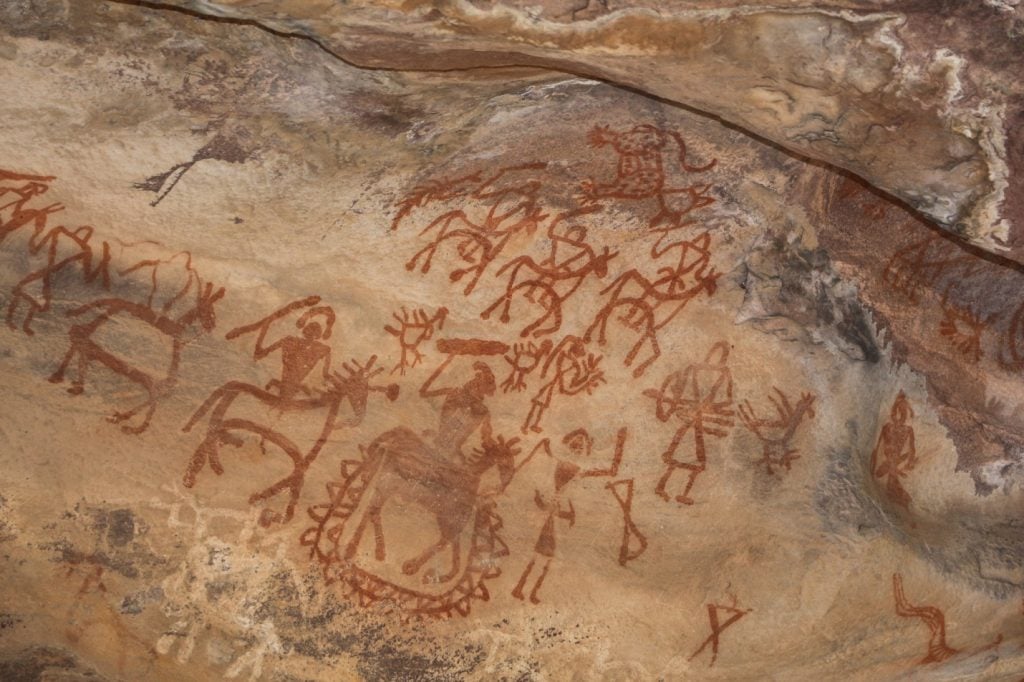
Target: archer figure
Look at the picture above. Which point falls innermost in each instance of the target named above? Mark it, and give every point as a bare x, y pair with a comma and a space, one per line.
701, 398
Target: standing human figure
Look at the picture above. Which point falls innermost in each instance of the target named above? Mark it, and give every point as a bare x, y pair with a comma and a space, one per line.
574, 371
579, 445
701, 398
895, 455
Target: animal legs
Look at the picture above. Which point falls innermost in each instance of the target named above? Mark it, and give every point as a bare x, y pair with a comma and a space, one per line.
372, 515
431, 576
412, 566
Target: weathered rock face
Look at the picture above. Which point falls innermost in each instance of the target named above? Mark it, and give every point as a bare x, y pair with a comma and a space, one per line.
320, 372
920, 99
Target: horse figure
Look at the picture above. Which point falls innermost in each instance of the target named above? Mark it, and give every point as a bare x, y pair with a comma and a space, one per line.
546, 280
479, 243
222, 428
408, 467
181, 330
670, 289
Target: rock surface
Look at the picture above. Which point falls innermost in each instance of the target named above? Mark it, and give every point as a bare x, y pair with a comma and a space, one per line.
319, 372
924, 101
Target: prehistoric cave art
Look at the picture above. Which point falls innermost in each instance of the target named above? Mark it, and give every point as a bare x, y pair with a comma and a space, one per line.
493, 212
634, 542
647, 305
732, 613
453, 478
17, 190
238, 409
569, 370
641, 175
700, 397
938, 650
479, 220
895, 455
578, 446
413, 329
776, 435
166, 319
63, 248
551, 282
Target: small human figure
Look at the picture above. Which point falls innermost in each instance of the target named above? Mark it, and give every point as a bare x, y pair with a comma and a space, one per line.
299, 355
464, 409
895, 455
525, 358
579, 445
574, 371
701, 398
718, 627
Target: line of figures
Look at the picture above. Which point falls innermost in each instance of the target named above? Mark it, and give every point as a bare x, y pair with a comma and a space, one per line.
475, 220
158, 293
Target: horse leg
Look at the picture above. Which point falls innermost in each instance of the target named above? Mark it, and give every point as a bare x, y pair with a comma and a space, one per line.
553, 311
432, 576
412, 566
292, 483
58, 376
429, 250
372, 513
504, 298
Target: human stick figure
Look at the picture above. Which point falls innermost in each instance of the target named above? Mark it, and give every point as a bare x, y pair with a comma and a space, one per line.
579, 445
701, 398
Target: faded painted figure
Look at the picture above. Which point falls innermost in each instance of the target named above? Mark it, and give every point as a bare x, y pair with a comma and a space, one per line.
441, 477
641, 171
895, 455
87, 347
701, 398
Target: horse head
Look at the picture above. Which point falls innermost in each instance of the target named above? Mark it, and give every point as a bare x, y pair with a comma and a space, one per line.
356, 387
206, 298
499, 453
601, 262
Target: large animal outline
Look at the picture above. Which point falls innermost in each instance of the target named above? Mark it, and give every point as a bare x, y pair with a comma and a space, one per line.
289, 393
181, 330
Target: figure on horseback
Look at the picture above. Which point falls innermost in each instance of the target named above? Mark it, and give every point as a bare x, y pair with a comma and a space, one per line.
442, 477
288, 393
651, 304
554, 279
512, 208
